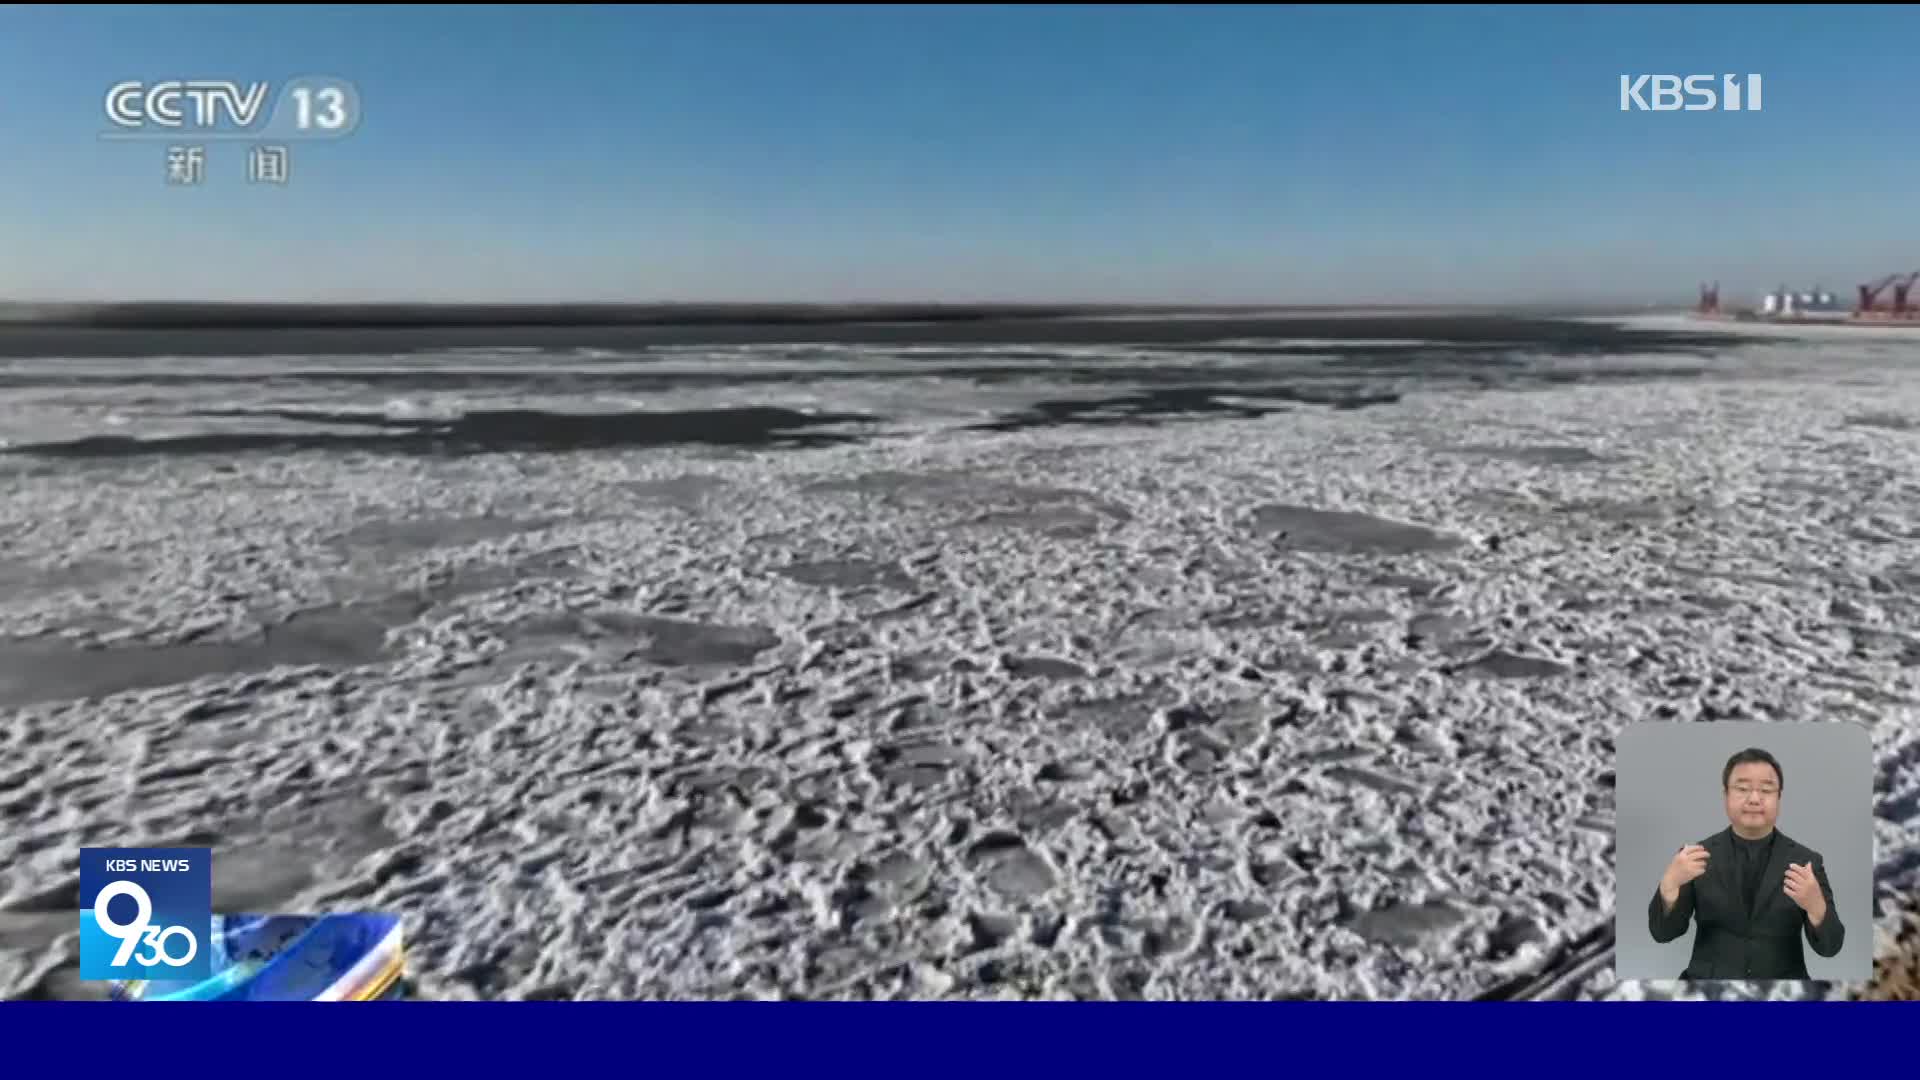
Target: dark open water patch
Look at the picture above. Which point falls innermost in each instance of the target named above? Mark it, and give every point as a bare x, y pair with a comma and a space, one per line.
1305, 528
1503, 664
1063, 522
1241, 401
655, 639
406, 536
1057, 511
206, 315
853, 573
1652, 509
1885, 421
690, 491
946, 326
506, 431
896, 484
1044, 667
1408, 925
1062, 513
1536, 454
685, 643
46, 669
20, 578
1321, 383
1265, 374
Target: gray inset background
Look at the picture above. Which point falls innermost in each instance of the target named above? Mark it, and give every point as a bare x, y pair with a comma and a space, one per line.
1669, 794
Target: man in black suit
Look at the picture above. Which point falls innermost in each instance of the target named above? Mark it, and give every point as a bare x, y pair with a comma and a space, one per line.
1753, 891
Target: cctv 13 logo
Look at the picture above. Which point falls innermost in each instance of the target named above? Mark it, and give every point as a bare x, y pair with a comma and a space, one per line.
146, 913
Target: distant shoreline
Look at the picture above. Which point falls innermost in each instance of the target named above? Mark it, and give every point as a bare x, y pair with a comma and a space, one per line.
396, 316
155, 330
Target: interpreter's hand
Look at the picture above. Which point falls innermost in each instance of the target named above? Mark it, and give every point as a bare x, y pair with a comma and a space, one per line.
1689, 863
1804, 889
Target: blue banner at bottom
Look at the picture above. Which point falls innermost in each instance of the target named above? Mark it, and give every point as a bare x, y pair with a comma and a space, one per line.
970, 1039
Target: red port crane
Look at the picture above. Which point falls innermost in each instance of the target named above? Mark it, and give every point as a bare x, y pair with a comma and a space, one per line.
1870, 294
1900, 290
1709, 298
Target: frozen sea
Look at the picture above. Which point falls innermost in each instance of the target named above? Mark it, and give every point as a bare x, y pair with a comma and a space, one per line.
1266, 655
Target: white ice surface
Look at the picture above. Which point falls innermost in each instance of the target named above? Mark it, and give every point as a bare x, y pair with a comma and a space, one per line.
1058, 713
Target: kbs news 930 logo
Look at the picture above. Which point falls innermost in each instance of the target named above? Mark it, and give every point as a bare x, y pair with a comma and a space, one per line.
145, 913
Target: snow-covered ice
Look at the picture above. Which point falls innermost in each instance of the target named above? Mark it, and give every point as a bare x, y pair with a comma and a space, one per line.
1285, 698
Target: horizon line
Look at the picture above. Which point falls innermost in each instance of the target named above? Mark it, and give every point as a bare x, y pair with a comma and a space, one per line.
114, 316
995, 304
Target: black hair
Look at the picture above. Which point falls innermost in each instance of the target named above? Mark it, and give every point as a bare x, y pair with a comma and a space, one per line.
1748, 756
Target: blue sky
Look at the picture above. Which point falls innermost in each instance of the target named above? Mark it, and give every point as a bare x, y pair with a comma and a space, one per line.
1286, 155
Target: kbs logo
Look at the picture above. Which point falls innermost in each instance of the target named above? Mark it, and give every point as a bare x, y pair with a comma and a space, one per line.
145, 913
1691, 93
